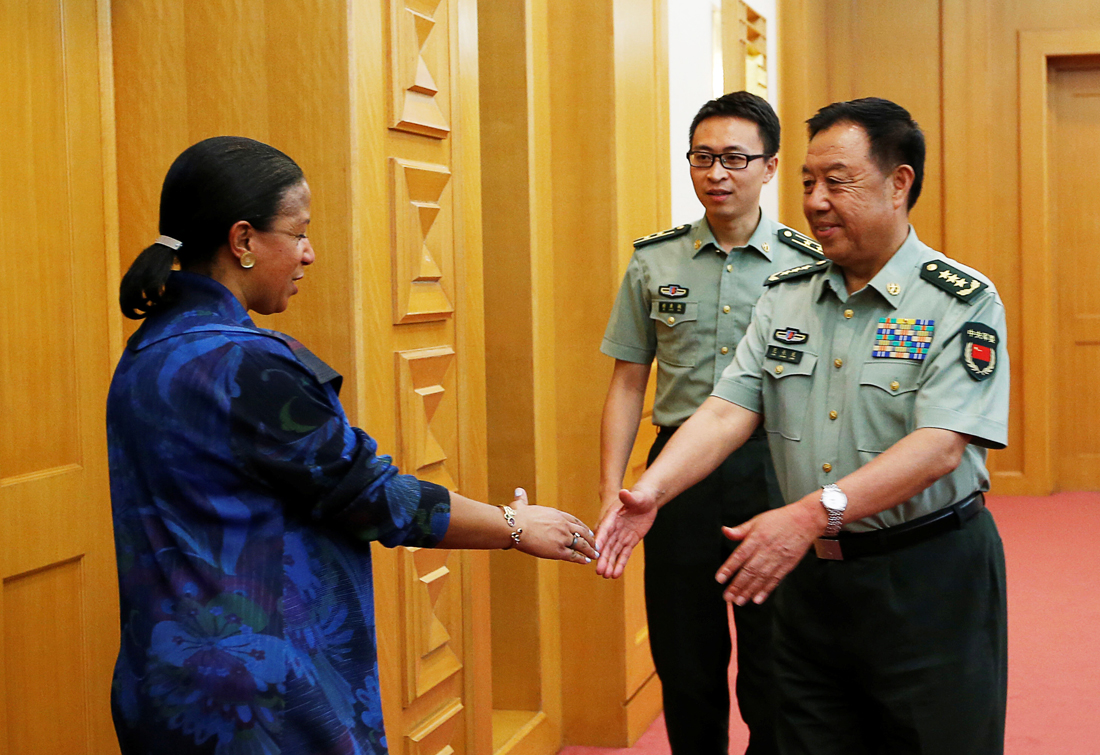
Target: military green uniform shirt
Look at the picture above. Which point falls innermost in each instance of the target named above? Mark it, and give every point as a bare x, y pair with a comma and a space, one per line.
841, 377
687, 303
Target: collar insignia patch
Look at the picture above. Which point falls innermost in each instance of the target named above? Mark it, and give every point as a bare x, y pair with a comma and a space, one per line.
979, 345
903, 338
791, 335
673, 291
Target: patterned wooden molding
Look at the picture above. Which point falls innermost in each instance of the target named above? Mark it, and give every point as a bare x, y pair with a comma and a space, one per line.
422, 248
412, 44
433, 737
429, 658
420, 379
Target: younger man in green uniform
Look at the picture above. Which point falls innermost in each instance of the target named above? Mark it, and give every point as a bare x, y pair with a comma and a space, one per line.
882, 377
685, 301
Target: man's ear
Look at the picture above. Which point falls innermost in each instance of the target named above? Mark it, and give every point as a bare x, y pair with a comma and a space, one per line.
771, 165
902, 177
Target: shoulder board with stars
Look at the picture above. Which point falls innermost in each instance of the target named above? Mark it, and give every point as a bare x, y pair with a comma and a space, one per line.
671, 233
801, 241
796, 272
952, 280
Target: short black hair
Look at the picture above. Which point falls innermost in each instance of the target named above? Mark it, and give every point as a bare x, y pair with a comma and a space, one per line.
742, 105
895, 137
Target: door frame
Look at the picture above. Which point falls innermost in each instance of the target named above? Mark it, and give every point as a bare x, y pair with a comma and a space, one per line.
1036, 47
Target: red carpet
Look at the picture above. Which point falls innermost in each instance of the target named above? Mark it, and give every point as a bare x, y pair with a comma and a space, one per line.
1052, 549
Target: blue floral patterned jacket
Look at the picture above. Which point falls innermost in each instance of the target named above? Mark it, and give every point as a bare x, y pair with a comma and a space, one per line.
244, 504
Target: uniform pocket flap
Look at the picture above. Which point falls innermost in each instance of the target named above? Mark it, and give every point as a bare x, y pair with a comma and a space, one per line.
782, 362
895, 376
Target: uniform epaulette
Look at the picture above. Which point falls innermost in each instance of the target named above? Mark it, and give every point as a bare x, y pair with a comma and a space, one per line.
801, 241
796, 272
952, 280
671, 233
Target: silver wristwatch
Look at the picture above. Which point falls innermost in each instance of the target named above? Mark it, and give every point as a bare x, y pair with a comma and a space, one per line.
835, 502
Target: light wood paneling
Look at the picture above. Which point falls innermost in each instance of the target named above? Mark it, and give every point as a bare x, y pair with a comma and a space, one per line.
610, 179
1074, 102
58, 605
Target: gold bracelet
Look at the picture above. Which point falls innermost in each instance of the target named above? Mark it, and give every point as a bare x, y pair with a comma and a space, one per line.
510, 518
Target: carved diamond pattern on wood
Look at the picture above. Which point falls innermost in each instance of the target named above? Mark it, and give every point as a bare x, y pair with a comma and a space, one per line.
433, 736
422, 241
421, 376
429, 658
415, 103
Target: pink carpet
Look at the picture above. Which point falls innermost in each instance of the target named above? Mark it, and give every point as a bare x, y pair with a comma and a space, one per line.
1053, 559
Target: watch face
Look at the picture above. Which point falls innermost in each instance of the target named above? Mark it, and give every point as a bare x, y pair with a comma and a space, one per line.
834, 499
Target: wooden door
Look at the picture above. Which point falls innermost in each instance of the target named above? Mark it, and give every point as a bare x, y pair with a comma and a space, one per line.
58, 604
1074, 102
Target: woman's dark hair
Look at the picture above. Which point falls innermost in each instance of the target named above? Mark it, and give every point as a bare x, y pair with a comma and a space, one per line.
895, 137
210, 186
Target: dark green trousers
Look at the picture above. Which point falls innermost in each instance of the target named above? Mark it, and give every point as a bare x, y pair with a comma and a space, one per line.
899, 654
688, 624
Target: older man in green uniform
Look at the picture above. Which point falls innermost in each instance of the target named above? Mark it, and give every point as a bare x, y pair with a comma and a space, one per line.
882, 378
685, 301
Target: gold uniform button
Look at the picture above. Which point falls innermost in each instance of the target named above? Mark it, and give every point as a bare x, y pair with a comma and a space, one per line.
779, 369
838, 363
827, 467
725, 350
729, 268
895, 385
848, 314
671, 320
698, 243
833, 414
726, 309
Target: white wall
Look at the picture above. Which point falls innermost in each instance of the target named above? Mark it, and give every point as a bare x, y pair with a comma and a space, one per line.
691, 83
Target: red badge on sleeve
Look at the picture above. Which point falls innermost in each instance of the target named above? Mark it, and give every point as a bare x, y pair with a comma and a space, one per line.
979, 350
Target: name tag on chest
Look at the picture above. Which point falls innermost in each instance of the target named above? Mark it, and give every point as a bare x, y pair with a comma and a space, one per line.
794, 356
672, 307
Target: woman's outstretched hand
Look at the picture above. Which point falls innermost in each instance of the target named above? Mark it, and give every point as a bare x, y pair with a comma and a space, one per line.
549, 533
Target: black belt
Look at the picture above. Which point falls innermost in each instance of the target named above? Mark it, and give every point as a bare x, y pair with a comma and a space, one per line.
849, 545
663, 430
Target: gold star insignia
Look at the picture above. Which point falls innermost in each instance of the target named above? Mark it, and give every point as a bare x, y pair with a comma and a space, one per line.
893, 288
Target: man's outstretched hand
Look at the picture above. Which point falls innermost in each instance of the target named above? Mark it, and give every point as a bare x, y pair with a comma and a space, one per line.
622, 527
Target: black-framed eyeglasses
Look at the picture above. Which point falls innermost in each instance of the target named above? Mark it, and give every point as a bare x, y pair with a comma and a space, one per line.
729, 160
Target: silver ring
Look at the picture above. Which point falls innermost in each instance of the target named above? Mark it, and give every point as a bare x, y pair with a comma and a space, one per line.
576, 536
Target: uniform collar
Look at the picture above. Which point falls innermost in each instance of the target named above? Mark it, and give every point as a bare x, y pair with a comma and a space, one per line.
891, 282
897, 275
761, 241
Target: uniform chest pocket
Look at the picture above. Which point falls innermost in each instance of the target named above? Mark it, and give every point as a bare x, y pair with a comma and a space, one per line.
677, 331
787, 392
885, 403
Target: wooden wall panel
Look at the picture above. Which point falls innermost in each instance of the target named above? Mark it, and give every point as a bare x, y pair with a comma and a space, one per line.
58, 604
960, 68
609, 187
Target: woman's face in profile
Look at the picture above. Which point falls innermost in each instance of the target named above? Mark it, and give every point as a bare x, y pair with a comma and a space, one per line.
282, 254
